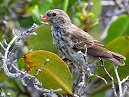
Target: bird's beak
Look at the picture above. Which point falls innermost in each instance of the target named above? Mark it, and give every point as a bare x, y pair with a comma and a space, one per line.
44, 18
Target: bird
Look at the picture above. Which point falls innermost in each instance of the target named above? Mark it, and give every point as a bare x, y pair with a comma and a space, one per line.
74, 43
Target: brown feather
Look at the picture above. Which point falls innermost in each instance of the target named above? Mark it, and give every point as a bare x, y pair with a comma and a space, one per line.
80, 38
83, 40
117, 58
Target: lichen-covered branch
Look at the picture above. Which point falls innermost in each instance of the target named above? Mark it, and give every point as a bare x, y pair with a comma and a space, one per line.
9, 64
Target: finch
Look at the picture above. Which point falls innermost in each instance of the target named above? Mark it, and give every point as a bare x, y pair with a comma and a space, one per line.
76, 44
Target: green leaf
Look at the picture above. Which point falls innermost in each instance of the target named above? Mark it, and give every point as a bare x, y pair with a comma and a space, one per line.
36, 14
120, 27
66, 3
1, 36
96, 7
43, 39
96, 10
21, 65
55, 73
121, 46
2, 76
26, 22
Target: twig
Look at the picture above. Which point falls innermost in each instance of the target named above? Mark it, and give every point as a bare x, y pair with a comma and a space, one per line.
39, 70
5, 42
2, 46
119, 82
122, 91
91, 74
9, 45
99, 77
125, 79
118, 5
89, 71
112, 79
1, 56
5, 60
39, 87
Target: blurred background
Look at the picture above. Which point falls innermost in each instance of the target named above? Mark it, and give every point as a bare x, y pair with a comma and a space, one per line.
106, 20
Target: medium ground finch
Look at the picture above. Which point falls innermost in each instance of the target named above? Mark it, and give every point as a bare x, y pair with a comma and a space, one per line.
76, 44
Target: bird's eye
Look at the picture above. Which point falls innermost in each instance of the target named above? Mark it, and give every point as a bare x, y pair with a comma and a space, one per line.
53, 14
48, 14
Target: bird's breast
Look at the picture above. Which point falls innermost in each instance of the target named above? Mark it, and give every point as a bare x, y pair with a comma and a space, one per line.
59, 38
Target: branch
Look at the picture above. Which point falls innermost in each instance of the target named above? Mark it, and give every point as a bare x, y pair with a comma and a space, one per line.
9, 45
6, 60
10, 63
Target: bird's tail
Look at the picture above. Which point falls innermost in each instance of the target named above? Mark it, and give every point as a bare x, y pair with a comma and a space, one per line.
118, 59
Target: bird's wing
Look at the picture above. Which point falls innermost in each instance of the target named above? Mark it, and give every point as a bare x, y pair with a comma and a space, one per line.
93, 46
82, 41
98, 50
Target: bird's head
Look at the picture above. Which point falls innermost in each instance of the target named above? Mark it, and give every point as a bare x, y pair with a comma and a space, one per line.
56, 17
